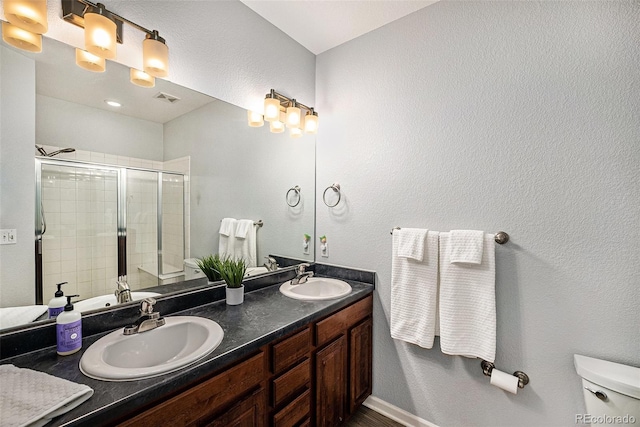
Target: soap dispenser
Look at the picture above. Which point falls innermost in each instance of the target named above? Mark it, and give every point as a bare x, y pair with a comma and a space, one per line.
69, 329
56, 304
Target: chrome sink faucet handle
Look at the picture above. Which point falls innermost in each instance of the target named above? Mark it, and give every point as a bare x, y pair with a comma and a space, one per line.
123, 291
301, 275
148, 319
271, 264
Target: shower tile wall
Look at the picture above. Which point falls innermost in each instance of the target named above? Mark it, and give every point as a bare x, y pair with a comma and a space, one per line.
71, 249
79, 246
172, 223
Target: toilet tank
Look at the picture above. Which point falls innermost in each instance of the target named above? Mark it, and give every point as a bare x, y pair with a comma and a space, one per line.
611, 392
191, 270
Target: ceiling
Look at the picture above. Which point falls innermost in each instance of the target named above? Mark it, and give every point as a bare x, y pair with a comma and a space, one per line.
320, 25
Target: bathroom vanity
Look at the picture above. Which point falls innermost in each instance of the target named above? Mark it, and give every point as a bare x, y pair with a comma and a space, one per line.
282, 362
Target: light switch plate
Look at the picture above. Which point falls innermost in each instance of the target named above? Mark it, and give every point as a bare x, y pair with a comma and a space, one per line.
8, 236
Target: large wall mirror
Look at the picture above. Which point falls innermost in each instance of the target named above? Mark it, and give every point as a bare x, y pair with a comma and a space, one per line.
164, 168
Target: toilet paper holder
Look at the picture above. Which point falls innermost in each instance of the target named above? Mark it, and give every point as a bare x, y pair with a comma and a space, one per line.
487, 367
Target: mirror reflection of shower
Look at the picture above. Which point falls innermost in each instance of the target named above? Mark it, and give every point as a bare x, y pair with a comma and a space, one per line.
99, 215
42, 151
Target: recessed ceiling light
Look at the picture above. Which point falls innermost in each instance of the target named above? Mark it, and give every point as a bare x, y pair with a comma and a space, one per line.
113, 103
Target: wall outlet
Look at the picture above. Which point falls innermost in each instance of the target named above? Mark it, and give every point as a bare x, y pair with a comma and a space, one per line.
324, 247
8, 236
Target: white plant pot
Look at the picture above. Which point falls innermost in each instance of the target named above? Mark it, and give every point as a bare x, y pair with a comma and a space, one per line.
235, 296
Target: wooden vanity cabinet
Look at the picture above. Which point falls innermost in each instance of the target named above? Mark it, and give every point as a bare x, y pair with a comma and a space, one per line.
315, 376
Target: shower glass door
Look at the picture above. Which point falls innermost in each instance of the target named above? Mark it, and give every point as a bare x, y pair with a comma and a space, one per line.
76, 227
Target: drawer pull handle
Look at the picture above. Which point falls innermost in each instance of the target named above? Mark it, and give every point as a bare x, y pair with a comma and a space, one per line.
597, 393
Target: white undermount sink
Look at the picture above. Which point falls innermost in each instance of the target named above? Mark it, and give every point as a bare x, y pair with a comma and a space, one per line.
108, 301
180, 341
316, 289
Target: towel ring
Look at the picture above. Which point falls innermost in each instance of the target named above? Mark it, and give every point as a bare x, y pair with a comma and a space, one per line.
336, 189
296, 190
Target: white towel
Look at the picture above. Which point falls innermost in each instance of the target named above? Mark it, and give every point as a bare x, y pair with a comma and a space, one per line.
14, 316
226, 244
32, 398
414, 294
246, 248
411, 242
468, 303
243, 227
466, 246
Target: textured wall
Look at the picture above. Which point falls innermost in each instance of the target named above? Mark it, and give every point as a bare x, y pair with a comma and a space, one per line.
243, 172
221, 48
96, 130
515, 116
17, 137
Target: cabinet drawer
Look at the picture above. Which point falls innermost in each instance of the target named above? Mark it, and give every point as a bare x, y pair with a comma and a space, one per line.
291, 350
291, 381
336, 324
294, 412
206, 398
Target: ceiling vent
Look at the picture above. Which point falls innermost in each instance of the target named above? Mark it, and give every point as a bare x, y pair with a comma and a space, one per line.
166, 97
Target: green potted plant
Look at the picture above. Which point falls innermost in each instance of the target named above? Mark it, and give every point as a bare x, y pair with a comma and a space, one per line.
211, 266
232, 272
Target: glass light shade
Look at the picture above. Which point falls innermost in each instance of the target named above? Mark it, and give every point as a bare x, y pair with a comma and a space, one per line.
30, 15
293, 117
22, 39
311, 123
255, 119
140, 78
271, 109
276, 126
155, 57
295, 132
99, 35
90, 62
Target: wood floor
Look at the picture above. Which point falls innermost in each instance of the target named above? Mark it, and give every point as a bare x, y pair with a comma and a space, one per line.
366, 417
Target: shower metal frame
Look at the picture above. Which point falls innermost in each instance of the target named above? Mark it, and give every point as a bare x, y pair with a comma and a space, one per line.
121, 206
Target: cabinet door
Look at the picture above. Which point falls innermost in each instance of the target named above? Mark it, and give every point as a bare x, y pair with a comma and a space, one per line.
360, 352
248, 412
331, 383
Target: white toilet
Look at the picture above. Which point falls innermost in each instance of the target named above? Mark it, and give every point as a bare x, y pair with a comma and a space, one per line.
191, 269
611, 392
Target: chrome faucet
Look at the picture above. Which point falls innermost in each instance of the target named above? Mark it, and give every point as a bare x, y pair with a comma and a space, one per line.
122, 292
301, 275
148, 320
271, 264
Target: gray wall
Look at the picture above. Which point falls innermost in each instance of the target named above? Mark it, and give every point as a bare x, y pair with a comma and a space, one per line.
66, 124
515, 116
243, 172
17, 139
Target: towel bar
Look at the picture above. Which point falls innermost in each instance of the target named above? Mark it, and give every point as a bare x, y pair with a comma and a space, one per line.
487, 367
257, 223
500, 237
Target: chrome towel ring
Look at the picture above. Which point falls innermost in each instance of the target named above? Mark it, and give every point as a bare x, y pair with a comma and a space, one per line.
336, 189
296, 190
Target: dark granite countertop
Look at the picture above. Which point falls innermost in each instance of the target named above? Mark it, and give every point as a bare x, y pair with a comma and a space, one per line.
265, 316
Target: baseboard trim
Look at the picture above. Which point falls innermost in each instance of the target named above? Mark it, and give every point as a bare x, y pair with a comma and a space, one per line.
395, 413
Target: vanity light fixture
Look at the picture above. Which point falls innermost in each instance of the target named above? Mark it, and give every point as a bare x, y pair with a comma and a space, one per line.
103, 29
280, 110
20, 38
30, 15
255, 119
27, 22
112, 103
89, 61
140, 78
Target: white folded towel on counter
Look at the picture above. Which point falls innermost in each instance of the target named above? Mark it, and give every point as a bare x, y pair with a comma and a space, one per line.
468, 303
414, 293
411, 242
14, 316
32, 398
466, 246
226, 244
